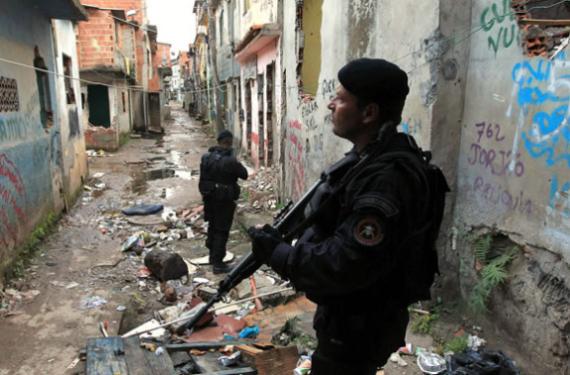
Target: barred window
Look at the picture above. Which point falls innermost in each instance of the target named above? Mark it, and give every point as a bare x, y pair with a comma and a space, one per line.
9, 101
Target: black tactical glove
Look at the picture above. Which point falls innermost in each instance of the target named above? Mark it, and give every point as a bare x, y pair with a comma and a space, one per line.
264, 241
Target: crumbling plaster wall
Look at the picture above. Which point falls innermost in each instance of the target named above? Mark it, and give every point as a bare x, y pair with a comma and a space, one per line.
514, 178
72, 131
370, 29
30, 156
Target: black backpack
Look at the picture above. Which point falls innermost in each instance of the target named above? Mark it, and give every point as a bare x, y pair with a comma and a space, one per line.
208, 172
418, 251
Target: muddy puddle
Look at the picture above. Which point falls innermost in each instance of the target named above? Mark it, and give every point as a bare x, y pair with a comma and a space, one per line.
139, 183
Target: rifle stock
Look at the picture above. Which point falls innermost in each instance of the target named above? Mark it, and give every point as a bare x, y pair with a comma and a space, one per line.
284, 222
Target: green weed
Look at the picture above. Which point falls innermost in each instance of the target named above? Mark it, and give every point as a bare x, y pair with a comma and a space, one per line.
456, 345
422, 324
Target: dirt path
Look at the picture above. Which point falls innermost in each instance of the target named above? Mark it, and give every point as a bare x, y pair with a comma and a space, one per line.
78, 261
83, 259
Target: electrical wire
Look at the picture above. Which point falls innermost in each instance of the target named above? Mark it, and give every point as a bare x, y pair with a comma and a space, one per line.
133, 88
222, 87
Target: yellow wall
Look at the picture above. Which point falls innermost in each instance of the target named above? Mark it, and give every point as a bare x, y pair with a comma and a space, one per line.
312, 16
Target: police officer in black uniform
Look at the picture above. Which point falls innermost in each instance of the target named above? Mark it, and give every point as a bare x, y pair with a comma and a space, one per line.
219, 172
362, 257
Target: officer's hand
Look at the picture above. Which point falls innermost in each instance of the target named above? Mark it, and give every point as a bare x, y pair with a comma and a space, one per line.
264, 241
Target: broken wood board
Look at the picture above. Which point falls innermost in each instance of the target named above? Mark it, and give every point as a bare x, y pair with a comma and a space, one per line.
205, 260
105, 356
143, 362
273, 361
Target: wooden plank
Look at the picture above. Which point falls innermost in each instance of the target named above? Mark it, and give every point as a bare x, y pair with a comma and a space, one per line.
248, 349
277, 361
105, 356
208, 362
201, 345
544, 22
135, 358
159, 364
235, 371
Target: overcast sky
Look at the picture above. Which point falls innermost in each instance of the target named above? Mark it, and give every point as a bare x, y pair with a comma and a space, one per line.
175, 21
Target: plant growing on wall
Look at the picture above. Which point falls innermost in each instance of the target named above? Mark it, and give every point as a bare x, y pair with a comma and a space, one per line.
493, 270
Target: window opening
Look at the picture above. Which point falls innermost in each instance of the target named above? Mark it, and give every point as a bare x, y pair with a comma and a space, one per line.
67, 71
42, 79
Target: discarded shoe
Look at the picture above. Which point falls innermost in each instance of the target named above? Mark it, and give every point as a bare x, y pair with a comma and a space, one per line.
222, 268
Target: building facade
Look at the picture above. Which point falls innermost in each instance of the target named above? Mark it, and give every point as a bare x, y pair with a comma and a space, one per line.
42, 152
488, 98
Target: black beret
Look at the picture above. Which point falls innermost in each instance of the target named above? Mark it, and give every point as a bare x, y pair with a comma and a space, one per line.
376, 80
224, 134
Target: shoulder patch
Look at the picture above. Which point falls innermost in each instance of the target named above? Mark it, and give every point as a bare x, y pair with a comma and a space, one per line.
368, 231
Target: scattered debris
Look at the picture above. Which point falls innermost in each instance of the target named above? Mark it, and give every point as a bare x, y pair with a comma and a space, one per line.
482, 362
92, 302
395, 358
431, 363
230, 360
303, 366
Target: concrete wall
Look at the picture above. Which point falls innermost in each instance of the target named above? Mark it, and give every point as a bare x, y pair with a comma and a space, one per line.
514, 178
309, 144
30, 155
72, 128
496, 122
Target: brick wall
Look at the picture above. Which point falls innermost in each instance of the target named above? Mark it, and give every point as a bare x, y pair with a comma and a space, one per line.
127, 5
96, 40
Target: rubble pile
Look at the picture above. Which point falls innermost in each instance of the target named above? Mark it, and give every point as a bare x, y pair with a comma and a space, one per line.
261, 190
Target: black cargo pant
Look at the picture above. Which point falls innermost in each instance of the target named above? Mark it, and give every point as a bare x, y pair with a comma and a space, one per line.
219, 214
357, 344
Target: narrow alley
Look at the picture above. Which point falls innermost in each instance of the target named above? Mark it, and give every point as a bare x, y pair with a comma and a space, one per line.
43, 334
406, 209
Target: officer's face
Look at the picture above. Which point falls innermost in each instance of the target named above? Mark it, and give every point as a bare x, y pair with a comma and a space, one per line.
346, 116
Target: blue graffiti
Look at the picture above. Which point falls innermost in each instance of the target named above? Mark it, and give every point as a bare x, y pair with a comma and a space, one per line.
544, 84
411, 128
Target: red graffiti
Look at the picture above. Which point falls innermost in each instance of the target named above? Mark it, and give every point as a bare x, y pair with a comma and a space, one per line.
296, 161
295, 124
9, 170
12, 191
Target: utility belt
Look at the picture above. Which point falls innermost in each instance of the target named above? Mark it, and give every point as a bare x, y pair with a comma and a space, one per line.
219, 191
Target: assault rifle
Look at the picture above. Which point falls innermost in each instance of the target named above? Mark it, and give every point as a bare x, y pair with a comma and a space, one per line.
286, 222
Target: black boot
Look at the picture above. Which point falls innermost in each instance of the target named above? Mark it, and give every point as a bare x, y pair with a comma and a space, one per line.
221, 268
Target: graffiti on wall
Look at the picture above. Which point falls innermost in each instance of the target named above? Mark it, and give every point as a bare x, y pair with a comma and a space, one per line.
18, 126
411, 127
495, 160
12, 197
498, 22
491, 154
295, 157
542, 92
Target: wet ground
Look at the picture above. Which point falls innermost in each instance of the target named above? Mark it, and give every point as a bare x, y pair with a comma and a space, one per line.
83, 258
82, 263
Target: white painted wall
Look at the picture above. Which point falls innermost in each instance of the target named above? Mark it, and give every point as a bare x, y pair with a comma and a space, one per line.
70, 115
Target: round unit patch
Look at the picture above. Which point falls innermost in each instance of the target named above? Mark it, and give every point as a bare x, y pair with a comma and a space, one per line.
368, 231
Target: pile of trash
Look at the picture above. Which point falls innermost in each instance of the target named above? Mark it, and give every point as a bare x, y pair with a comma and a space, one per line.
261, 189
12, 299
474, 360
229, 336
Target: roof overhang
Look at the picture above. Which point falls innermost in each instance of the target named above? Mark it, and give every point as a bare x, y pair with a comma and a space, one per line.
71, 10
255, 40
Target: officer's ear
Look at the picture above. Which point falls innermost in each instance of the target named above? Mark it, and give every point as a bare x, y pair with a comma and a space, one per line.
371, 114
